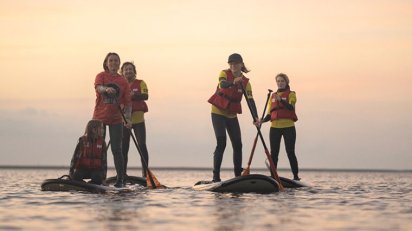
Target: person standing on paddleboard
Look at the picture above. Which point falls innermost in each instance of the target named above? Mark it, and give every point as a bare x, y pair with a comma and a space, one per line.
225, 107
89, 159
112, 91
139, 94
283, 117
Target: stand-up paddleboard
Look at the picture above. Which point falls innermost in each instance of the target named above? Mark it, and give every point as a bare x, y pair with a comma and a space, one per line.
288, 183
128, 180
64, 183
253, 183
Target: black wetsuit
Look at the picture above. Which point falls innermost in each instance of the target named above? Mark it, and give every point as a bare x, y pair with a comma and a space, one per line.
221, 124
140, 133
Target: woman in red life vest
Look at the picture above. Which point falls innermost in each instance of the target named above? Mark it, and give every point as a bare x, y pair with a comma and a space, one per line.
139, 93
89, 159
225, 107
112, 91
283, 117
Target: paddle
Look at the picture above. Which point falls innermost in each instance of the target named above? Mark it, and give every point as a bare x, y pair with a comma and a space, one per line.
108, 145
247, 170
272, 165
151, 180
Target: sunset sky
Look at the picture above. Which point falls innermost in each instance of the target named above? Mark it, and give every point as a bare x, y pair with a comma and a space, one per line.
350, 63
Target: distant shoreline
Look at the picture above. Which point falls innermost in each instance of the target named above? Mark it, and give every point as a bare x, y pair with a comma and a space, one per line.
209, 168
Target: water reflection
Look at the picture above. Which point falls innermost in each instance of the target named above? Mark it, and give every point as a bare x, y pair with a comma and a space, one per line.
229, 212
120, 210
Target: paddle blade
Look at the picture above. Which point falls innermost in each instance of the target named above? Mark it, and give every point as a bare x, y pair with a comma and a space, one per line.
149, 183
272, 169
246, 171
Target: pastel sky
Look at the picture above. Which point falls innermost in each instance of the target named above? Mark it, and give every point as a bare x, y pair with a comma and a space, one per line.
350, 63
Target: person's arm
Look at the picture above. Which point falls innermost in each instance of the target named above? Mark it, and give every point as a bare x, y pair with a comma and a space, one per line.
144, 95
292, 101
287, 105
249, 96
100, 86
266, 119
140, 97
223, 83
101, 89
127, 113
254, 109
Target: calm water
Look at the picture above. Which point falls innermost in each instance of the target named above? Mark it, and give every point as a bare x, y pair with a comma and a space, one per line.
337, 201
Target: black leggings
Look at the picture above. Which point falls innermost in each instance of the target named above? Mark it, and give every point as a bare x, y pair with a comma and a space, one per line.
115, 134
221, 124
289, 136
140, 133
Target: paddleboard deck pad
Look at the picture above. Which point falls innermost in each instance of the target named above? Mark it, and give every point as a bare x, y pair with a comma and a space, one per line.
253, 183
64, 183
132, 180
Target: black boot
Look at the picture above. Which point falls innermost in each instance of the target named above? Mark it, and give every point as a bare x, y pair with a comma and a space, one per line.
119, 182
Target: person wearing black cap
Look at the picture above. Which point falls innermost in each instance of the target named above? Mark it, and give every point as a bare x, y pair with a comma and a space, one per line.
225, 107
283, 117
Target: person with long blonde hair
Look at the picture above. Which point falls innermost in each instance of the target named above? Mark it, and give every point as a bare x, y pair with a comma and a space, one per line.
282, 115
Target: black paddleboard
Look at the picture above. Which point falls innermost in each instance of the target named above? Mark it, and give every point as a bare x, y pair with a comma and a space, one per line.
64, 183
253, 183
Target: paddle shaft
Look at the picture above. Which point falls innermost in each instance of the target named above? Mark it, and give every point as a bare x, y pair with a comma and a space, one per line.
145, 165
108, 145
257, 134
272, 165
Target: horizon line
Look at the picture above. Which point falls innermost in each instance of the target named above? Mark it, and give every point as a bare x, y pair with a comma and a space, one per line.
210, 168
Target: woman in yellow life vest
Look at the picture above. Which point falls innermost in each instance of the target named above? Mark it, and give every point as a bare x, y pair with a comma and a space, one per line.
139, 94
283, 117
225, 107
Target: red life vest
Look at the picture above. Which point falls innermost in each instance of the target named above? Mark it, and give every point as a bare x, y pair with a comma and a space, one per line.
229, 98
278, 110
137, 105
91, 154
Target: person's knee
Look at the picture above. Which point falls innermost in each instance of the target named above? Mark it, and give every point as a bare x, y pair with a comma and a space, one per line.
221, 142
237, 145
116, 150
290, 152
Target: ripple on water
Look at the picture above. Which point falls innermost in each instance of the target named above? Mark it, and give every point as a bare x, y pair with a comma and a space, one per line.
336, 201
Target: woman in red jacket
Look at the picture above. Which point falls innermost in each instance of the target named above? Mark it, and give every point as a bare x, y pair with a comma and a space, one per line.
113, 93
